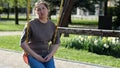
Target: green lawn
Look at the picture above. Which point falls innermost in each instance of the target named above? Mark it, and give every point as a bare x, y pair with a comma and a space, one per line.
84, 22
10, 26
12, 43
80, 22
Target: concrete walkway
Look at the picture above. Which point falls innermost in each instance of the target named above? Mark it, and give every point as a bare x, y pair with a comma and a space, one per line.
13, 59
5, 33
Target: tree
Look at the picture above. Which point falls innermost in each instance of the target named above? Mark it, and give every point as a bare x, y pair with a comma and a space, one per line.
86, 5
106, 7
116, 22
5, 5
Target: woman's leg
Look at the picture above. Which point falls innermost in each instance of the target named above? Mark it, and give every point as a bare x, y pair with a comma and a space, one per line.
34, 63
50, 64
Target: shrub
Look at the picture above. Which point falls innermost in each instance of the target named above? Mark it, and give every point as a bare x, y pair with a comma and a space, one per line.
95, 44
116, 21
1, 9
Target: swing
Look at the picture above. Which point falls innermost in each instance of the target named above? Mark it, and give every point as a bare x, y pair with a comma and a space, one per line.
25, 56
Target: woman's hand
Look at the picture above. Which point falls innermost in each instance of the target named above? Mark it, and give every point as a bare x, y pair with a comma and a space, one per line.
48, 57
52, 51
39, 58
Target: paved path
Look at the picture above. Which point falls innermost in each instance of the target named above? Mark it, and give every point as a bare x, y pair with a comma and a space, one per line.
12, 59
5, 33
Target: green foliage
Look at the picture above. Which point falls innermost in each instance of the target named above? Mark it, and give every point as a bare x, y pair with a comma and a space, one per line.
85, 5
95, 44
111, 11
54, 2
85, 56
1, 9
116, 22
21, 3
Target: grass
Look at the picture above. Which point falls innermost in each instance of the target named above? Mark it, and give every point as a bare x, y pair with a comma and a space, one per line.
80, 22
84, 56
84, 22
12, 43
10, 26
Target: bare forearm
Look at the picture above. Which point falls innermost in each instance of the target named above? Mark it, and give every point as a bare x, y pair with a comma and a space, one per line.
31, 52
27, 49
54, 49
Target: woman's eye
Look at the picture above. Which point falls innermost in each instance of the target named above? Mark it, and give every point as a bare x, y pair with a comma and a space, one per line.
38, 9
43, 8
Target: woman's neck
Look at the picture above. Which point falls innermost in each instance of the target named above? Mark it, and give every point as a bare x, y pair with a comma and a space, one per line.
43, 20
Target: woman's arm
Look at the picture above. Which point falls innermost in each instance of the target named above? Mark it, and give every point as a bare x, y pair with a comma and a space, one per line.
27, 49
53, 49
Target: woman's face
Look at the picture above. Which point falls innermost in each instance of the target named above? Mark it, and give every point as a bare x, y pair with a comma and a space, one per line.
42, 11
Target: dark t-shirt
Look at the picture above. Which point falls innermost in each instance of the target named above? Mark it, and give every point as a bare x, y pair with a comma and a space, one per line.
40, 34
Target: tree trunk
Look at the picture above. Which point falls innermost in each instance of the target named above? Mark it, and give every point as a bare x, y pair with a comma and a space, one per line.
65, 16
106, 7
8, 11
69, 19
16, 12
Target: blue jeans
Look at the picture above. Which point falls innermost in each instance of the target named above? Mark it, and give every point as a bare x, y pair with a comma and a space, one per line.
34, 63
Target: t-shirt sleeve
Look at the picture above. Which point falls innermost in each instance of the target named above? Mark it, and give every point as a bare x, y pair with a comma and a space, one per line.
24, 34
57, 38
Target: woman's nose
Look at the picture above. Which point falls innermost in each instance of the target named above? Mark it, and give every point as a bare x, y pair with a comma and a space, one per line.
42, 11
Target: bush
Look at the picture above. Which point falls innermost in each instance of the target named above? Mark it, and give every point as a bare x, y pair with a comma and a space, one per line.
111, 11
116, 21
1, 9
95, 44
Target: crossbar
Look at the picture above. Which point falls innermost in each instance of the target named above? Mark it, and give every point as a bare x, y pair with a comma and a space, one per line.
96, 32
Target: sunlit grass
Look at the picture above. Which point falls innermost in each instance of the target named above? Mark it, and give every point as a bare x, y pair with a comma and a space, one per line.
84, 56
80, 21
10, 42
10, 26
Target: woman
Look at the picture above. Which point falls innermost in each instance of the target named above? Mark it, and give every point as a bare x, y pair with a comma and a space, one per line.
41, 33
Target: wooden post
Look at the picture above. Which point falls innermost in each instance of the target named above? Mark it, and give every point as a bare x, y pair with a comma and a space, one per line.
95, 32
